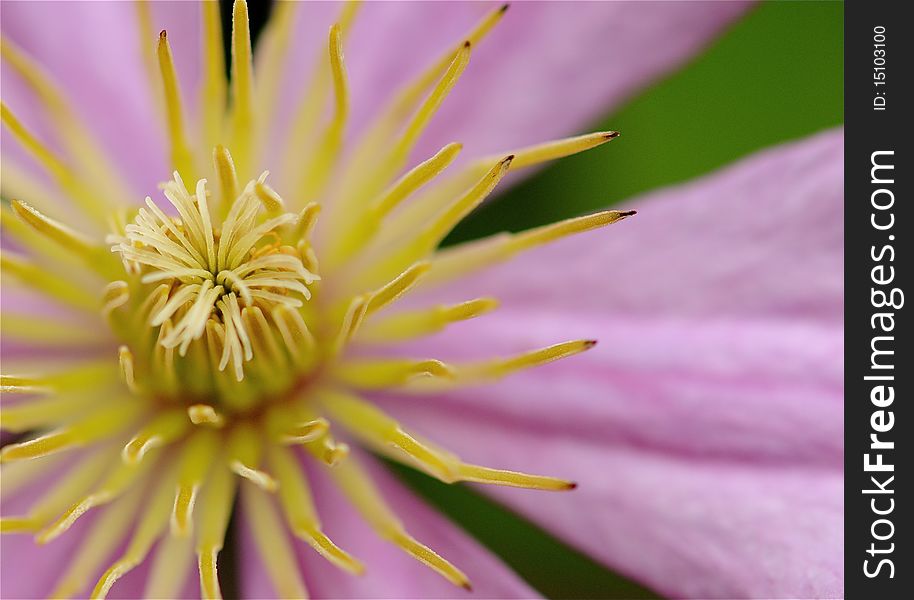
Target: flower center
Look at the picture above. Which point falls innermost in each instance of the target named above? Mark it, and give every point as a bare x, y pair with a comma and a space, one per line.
223, 296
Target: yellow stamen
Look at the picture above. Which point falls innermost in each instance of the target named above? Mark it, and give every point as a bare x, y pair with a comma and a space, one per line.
39, 279
396, 288
366, 498
242, 115
205, 414
382, 373
464, 259
91, 429
122, 478
58, 232
181, 156
162, 430
125, 360
424, 242
197, 455
215, 508
315, 177
295, 498
272, 544
78, 142
60, 171
213, 90
173, 559
103, 537
374, 427
153, 520
244, 451
72, 485
228, 179
45, 413
410, 325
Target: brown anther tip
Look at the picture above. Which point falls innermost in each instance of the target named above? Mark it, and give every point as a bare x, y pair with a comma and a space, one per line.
504, 7
609, 135
467, 44
163, 35
507, 160
572, 485
467, 586
588, 344
628, 213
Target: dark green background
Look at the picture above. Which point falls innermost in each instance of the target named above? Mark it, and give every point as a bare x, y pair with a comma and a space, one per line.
777, 75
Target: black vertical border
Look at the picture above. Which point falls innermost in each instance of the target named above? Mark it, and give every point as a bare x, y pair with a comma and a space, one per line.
867, 131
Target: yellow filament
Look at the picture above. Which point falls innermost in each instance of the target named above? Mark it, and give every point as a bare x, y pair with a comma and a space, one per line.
215, 508
228, 179
300, 433
242, 89
153, 519
213, 91
88, 430
125, 360
103, 536
45, 413
181, 156
382, 373
356, 236
396, 288
170, 567
399, 153
73, 483
321, 165
456, 262
380, 431
412, 92
59, 233
366, 498
61, 172
243, 457
295, 498
427, 239
276, 553
39, 279
511, 478
49, 252
197, 455
164, 428
272, 50
410, 325
18, 475
310, 108
205, 414
123, 477
269, 198
79, 143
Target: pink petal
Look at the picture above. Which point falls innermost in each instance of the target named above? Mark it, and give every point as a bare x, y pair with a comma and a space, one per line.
390, 573
761, 238
706, 427
708, 451
544, 71
93, 51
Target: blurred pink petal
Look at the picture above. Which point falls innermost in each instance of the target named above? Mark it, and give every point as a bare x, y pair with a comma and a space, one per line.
94, 52
706, 427
389, 572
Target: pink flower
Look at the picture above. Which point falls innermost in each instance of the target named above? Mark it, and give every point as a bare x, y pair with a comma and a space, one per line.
704, 432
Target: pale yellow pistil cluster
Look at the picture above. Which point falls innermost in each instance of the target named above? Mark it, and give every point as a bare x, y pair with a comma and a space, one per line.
234, 330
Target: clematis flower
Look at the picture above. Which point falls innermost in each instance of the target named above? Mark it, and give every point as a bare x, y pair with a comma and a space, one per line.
254, 334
